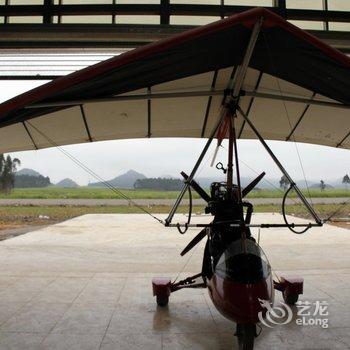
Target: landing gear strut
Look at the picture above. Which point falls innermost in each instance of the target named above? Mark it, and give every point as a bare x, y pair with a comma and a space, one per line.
163, 287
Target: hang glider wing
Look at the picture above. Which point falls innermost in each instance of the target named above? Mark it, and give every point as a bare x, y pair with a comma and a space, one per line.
296, 88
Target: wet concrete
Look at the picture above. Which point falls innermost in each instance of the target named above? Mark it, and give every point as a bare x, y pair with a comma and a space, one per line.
86, 284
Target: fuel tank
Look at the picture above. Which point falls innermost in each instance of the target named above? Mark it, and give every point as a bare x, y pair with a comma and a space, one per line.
240, 278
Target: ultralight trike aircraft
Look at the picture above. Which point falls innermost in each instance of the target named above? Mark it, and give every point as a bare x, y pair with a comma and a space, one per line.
250, 76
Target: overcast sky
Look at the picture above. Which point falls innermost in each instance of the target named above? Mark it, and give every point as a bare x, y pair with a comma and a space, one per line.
157, 157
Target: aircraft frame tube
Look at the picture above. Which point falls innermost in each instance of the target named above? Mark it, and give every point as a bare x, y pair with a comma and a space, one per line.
195, 168
280, 166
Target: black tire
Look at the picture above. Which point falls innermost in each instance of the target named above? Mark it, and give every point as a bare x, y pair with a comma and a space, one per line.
290, 299
245, 335
162, 300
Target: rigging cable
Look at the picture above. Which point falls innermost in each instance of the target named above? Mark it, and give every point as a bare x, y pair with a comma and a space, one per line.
287, 115
263, 179
337, 210
92, 173
283, 201
344, 204
185, 264
295, 143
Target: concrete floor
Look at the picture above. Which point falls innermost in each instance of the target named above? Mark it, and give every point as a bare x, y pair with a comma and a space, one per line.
86, 284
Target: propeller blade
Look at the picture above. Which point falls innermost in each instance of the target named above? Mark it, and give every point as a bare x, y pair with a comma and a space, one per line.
194, 242
247, 189
197, 188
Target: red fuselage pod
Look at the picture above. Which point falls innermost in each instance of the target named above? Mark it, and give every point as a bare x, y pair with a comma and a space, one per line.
242, 279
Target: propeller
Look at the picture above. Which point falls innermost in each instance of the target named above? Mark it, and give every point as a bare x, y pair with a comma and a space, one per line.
207, 198
247, 189
194, 241
197, 188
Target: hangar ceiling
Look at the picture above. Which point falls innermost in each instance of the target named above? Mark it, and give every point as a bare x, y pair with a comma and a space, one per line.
44, 39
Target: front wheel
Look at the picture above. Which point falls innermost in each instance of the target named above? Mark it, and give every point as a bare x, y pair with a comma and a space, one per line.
245, 334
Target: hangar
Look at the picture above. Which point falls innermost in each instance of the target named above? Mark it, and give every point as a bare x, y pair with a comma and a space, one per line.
83, 314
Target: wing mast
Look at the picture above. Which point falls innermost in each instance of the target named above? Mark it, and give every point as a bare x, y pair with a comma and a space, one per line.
230, 104
232, 108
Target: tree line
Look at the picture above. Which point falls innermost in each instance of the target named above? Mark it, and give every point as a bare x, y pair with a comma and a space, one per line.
9, 179
284, 183
8, 168
27, 181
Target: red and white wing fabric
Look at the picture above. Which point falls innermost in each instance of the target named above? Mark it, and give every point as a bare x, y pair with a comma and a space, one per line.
296, 88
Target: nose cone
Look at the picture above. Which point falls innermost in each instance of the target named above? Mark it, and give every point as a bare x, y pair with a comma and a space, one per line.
237, 301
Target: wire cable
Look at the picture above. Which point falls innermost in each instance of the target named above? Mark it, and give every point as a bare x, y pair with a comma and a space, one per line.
186, 263
265, 180
273, 67
92, 173
337, 210
295, 143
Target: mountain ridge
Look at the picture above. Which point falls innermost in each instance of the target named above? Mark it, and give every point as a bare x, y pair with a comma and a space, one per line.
67, 183
125, 180
28, 171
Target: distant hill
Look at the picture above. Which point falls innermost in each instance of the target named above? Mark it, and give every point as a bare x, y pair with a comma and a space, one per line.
337, 183
126, 180
67, 183
271, 183
26, 178
27, 171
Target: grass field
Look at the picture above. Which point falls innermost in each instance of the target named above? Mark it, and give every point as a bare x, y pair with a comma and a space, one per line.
104, 193
59, 213
16, 220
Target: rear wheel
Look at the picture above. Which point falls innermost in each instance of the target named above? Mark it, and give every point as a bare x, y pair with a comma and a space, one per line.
245, 335
162, 300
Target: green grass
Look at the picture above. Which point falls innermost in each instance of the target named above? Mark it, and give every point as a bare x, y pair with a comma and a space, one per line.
315, 193
29, 214
84, 193
104, 193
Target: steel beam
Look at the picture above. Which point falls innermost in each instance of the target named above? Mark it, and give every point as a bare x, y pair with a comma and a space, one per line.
115, 35
14, 36
165, 8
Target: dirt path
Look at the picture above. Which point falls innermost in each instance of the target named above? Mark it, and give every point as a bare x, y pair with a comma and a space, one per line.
16, 229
